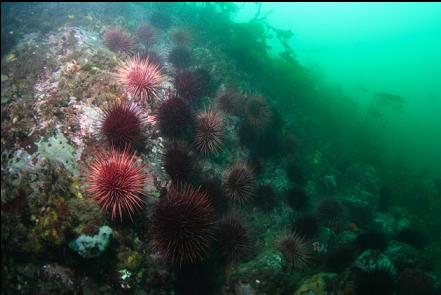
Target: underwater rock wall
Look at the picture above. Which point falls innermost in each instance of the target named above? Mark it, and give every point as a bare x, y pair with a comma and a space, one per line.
160, 149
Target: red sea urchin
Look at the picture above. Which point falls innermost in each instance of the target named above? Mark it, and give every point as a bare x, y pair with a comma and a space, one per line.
117, 40
239, 182
182, 225
140, 77
122, 124
116, 181
296, 250
209, 131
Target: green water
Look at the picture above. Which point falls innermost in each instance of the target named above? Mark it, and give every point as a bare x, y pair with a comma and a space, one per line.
365, 48
221, 148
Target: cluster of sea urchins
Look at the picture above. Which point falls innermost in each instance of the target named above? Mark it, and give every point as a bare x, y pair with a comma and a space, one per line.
140, 76
116, 177
182, 221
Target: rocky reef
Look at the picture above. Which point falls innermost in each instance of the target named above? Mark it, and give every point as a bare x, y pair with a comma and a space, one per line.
163, 149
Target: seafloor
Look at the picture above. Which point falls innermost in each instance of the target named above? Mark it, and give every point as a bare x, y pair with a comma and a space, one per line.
248, 187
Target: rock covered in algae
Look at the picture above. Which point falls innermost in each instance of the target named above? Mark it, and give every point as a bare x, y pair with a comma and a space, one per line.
51, 219
55, 278
58, 149
362, 176
46, 229
266, 274
315, 285
129, 259
402, 255
372, 259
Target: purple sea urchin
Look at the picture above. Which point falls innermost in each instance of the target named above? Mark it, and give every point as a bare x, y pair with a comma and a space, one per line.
239, 182
296, 250
117, 40
209, 131
122, 124
174, 117
182, 225
230, 101
233, 239
178, 162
